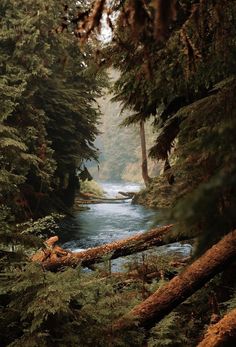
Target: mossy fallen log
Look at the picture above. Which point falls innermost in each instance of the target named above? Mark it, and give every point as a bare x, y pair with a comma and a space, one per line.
168, 297
54, 257
222, 333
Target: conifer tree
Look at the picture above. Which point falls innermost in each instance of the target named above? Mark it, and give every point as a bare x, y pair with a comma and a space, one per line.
180, 70
49, 115
193, 60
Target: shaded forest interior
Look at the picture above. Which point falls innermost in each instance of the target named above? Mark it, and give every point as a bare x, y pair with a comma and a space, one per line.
172, 124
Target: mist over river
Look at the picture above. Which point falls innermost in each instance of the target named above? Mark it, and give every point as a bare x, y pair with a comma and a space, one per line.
107, 222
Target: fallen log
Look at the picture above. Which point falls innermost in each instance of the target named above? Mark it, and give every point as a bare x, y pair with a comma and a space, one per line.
222, 333
102, 201
114, 199
92, 197
54, 258
168, 297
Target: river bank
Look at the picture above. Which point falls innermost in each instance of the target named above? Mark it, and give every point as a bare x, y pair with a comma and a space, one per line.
108, 222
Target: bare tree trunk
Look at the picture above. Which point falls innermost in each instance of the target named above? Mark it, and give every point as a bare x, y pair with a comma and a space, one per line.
54, 257
167, 298
222, 333
145, 175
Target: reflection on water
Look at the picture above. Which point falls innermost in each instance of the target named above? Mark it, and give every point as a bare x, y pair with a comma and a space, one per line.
104, 223
107, 222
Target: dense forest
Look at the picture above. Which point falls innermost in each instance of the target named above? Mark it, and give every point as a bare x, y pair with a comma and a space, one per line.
176, 65
115, 161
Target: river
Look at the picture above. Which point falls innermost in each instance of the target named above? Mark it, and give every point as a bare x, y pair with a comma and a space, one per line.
107, 222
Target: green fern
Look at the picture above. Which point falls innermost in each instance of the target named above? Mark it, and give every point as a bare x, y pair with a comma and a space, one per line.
168, 333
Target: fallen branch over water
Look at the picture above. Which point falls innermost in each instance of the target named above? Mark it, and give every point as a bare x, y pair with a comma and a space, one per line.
113, 199
101, 200
167, 298
222, 333
88, 198
54, 257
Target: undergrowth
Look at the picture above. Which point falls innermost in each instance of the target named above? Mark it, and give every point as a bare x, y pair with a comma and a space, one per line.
91, 187
74, 307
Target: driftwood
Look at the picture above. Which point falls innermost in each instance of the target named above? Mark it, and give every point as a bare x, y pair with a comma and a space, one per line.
101, 200
222, 333
88, 198
54, 257
114, 199
167, 298
92, 197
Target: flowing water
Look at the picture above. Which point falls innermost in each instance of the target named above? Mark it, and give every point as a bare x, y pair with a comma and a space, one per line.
107, 222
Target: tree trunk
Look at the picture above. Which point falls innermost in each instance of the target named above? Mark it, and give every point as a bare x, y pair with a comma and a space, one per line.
70, 192
167, 172
55, 257
222, 333
145, 176
167, 298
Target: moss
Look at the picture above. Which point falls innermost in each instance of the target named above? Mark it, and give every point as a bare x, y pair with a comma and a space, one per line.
91, 187
159, 194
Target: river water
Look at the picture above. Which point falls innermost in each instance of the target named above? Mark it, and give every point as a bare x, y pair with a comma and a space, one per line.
107, 222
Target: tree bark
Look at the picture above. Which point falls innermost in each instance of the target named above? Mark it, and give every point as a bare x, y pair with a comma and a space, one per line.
167, 298
145, 175
167, 172
222, 333
55, 257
